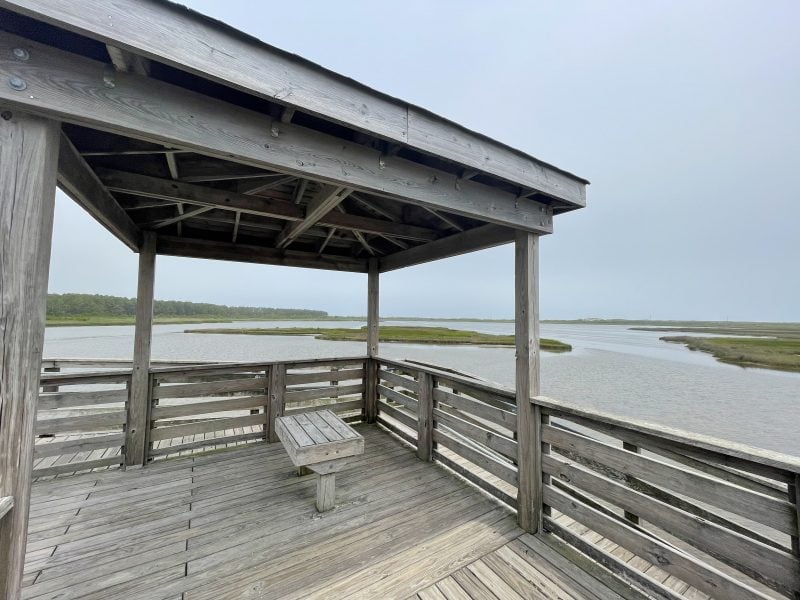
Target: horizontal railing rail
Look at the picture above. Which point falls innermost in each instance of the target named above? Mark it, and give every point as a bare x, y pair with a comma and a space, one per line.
720, 516
192, 406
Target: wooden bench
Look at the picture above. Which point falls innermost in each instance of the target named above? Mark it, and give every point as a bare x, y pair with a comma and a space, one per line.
322, 442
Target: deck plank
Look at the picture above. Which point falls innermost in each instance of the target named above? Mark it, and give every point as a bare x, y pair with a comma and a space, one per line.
240, 523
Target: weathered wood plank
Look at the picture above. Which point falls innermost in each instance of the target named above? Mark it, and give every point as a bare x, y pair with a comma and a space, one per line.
190, 43
339, 375
80, 183
667, 557
373, 338
490, 439
173, 431
397, 379
141, 383
526, 284
193, 390
49, 401
276, 404
757, 507
398, 415
84, 423
79, 445
425, 424
215, 441
773, 567
189, 120
337, 407
28, 164
6, 504
766, 463
323, 392
204, 408
480, 409
108, 461
506, 472
396, 396
479, 238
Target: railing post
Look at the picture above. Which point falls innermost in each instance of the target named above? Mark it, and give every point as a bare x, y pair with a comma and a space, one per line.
277, 397
140, 399
633, 518
425, 416
371, 375
529, 447
28, 168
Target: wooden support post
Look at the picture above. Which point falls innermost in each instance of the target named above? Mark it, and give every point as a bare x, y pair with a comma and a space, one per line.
633, 518
371, 383
529, 447
425, 416
28, 167
140, 399
326, 491
277, 391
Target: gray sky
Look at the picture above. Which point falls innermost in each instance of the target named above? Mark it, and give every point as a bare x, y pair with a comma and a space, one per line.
684, 115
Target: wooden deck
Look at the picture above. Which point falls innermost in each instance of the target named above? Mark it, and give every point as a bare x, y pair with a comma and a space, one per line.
241, 524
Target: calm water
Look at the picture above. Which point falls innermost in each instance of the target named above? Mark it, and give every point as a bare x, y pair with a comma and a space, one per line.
611, 368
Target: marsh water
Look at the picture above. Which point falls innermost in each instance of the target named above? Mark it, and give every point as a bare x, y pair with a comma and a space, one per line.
630, 373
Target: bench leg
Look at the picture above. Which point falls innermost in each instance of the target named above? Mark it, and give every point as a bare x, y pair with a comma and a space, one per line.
303, 471
326, 492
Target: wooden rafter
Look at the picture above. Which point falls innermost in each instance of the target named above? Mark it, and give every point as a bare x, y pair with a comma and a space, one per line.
326, 199
158, 30
444, 219
240, 135
79, 182
254, 187
182, 216
189, 193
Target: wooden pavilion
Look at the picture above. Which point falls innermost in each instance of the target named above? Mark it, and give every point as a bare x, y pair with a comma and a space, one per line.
185, 137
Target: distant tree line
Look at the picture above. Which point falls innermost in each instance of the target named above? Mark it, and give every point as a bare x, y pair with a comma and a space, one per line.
96, 305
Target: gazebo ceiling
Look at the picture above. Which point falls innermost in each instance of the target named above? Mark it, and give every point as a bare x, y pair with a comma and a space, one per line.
228, 148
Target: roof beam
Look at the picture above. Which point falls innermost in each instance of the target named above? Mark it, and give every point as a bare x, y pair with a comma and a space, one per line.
189, 193
181, 217
128, 62
80, 183
71, 88
254, 186
324, 201
480, 238
192, 248
160, 31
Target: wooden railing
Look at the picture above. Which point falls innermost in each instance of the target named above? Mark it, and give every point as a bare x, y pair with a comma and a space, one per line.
82, 417
719, 516
6, 504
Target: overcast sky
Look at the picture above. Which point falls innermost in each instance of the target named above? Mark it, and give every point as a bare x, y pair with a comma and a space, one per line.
684, 115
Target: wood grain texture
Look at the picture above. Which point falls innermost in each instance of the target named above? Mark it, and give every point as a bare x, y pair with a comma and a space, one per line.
373, 323
276, 404
70, 87
139, 403
425, 416
184, 40
80, 183
28, 166
526, 277
480, 238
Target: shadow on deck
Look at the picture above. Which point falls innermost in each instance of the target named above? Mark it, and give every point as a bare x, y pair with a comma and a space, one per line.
241, 524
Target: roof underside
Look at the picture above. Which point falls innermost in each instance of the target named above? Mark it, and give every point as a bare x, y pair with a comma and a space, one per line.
221, 167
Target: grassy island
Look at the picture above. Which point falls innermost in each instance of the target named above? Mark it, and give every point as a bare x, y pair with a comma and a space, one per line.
782, 354
409, 335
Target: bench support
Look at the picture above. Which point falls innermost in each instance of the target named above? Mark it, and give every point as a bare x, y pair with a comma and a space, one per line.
326, 492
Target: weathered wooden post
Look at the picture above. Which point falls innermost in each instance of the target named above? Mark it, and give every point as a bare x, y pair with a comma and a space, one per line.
529, 447
371, 383
276, 402
633, 518
139, 399
425, 416
28, 168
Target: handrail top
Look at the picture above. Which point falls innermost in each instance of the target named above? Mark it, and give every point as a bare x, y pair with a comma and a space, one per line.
257, 364
770, 458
